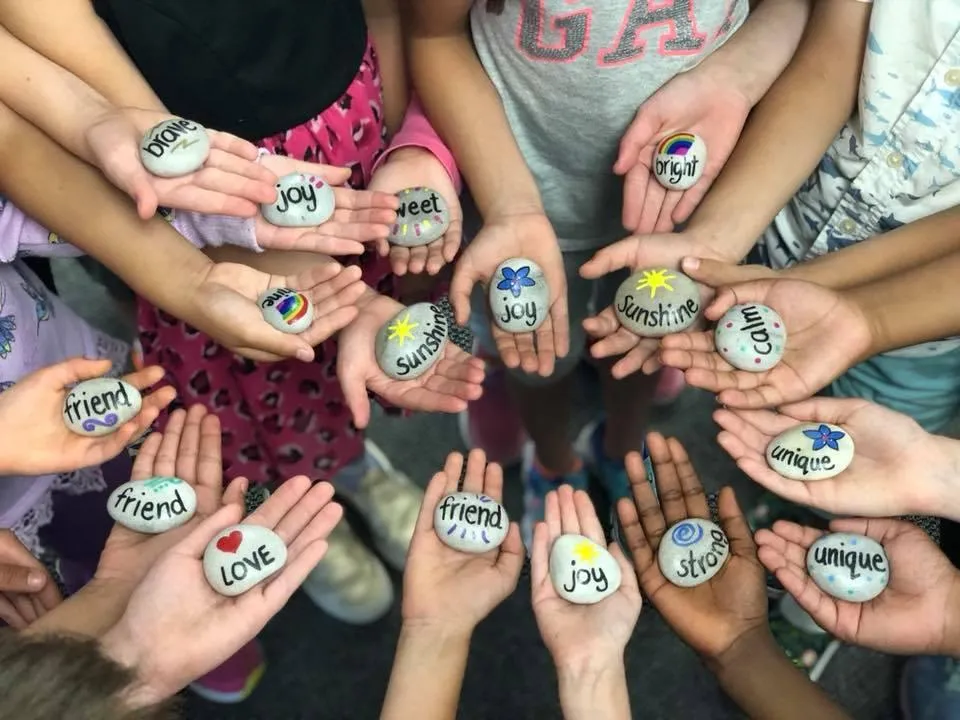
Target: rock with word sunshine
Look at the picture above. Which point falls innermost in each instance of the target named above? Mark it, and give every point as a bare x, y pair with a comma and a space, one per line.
302, 201
471, 522
100, 406
242, 556
679, 161
423, 217
811, 451
751, 337
174, 147
692, 551
519, 296
848, 566
656, 302
286, 310
412, 341
582, 571
154, 505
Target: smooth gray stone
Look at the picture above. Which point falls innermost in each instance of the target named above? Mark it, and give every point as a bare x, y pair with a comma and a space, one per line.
411, 341
154, 505
654, 302
286, 310
100, 406
692, 551
751, 337
848, 566
471, 522
811, 451
241, 557
302, 201
583, 572
679, 161
422, 218
174, 147
519, 296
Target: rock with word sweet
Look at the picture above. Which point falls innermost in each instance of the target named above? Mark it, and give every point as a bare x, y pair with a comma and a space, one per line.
412, 341
154, 505
242, 556
656, 302
174, 147
302, 201
519, 296
751, 337
679, 161
100, 406
423, 217
583, 572
470, 522
286, 310
692, 551
811, 451
848, 566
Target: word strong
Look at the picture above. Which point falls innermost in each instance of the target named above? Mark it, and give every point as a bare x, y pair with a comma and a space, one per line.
100, 406
692, 551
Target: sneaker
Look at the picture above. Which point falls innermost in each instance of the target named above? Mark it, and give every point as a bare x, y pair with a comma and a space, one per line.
611, 472
535, 489
930, 688
492, 422
670, 384
807, 645
235, 679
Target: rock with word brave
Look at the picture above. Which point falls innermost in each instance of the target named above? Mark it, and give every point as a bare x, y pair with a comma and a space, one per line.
811, 451
751, 337
471, 522
423, 217
286, 310
242, 556
154, 505
692, 551
302, 201
174, 147
519, 296
582, 571
848, 566
412, 341
100, 406
679, 161
656, 302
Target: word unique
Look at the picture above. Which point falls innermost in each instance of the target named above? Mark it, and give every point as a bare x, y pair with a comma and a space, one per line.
853, 562
100, 406
848, 566
810, 451
470, 522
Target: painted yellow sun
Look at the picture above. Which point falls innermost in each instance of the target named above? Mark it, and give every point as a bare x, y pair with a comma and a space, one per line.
401, 330
654, 280
586, 552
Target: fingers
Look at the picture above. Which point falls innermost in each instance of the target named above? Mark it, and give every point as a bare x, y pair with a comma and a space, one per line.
628, 573
560, 319
72, 371
453, 470
637, 140
714, 273
461, 285
634, 193
146, 457
587, 518
23, 606
278, 589
10, 615
755, 428
436, 489
354, 389
548, 341
611, 258
603, 324
279, 504
652, 202
829, 410
49, 595
493, 482
539, 556
22, 578
301, 516
187, 453
641, 358
693, 495
647, 505
670, 494
512, 554
476, 466
145, 378
236, 489
735, 525
551, 516
569, 520
166, 460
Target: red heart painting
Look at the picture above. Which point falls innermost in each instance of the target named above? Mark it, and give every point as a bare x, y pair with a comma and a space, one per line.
230, 543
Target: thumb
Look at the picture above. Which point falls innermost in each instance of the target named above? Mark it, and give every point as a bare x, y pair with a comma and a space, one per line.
614, 257
735, 525
715, 273
354, 389
264, 339
196, 542
639, 135
72, 371
19, 579
464, 278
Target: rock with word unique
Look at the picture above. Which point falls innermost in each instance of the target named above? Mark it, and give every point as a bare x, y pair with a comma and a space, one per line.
679, 161
423, 217
412, 341
100, 406
519, 296
656, 302
286, 310
751, 337
470, 522
848, 566
302, 201
692, 551
583, 572
811, 451
174, 147
242, 556
154, 505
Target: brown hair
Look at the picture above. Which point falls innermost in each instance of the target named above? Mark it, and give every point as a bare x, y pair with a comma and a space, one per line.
496, 6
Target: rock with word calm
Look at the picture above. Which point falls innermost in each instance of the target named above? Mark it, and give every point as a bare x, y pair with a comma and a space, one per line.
174, 147
286, 310
242, 556
811, 451
679, 161
519, 296
582, 571
302, 201
470, 522
154, 505
100, 406
692, 551
751, 337
423, 217
412, 341
848, 566
656, 302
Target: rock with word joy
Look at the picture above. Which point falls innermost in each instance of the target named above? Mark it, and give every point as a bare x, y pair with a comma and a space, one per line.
751, 337
582, 571
811, 451
100, 406
470, 522
692, 551
154, 505
412, 341
656, 302
286, 310
302, 201
422, 218
679, 161
242, 556
174, 147
848, 566
519, 296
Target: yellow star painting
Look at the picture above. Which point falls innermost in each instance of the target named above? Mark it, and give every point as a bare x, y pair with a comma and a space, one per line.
401, 330
654, 280
585, 552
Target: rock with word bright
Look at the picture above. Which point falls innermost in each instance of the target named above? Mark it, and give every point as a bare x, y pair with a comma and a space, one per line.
242, 556
811, 451
751, 337
174, 147
470, 522
100, 406
411, 341
848, 566
656, 302
583, 572
423, 217
679, 161
286, 310
302, 201
519, 296
154, 505
692, 551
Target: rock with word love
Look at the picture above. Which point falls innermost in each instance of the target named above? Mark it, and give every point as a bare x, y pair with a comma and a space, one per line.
811, 451
470, 522
412, 341
286, 310
302, 201
848, 566
154, 505
582, 571
692, 551
174, 147
656, 302
519, 296
242, 556
423, 217
100, 406
679, 161
751, 337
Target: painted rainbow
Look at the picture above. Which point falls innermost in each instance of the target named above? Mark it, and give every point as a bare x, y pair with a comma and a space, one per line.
678, 144
292, 308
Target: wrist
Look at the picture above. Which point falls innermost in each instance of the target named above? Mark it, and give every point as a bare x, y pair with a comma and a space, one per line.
754, 645
589, 665
714, 241
864, 303
939, 497
119, 645
441, 637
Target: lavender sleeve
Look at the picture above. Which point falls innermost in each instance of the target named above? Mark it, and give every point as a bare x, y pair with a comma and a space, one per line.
23, 236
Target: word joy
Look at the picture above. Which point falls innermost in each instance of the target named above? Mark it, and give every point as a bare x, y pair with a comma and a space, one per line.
754, 324
471, 514
674, 168
149, 510
239, 569
850, 560
586, 577
171, 138
428, 206
526, 311
302, 194
713, 556
432, 342
664, 316
803, 463
79, 408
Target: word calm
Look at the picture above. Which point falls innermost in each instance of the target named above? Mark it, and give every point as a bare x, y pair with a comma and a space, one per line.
751, 337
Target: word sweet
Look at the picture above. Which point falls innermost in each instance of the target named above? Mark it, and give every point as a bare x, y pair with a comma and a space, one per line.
519, 296
470, 522
242, 556
423, 217
100, 406
751, 337
692, 551
154, 505
581, 571
286, 310
679, 161
810, 451
302, 201
408, 345
657, 302
848, 566
174, 147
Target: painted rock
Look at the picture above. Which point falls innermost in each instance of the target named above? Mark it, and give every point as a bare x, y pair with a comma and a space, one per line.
848, 566
423, 217
302, 201
519, 296
582, 571
174, 147
100, 406
811, 451
657, 302
751, 337
154, 505
286, 310
242, 556
412, 341
692, 551
470, 522
679, 161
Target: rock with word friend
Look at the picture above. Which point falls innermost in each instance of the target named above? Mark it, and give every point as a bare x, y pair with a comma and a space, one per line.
811, 451
302, 201
470, 522
692, 551
100, 406
751, 337
174, 147
519, 296
848, 566
655, 302
412, 341
286, 310
583, 572
242, 556
154, 505
679, 160
423, 217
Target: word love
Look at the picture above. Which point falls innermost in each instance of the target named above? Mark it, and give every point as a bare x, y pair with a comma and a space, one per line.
286, 310
692, 551
811, 451
411, 342
519, 296
470, 522
174, 147
583, 572
848, 566
100, 406
679, 161
302, 201
422, 218
751, 337
242, 556
656, 302
153, 506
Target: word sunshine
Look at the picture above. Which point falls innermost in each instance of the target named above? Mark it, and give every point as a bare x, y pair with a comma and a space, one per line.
702, 561
677, 168
754, 324
432, 340
594, 578
257, 560
80, 408
798, 459
663, 316
303, 193
471, 513
172, 136
851, 561
149, 510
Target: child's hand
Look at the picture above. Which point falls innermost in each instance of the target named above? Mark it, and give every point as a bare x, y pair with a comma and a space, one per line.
35, 440
917, 614
27, 591
712, 616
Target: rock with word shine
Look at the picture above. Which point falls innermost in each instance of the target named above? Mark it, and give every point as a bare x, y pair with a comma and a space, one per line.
422, 218
471, 522
751, 337
241, 557
100, 406
411, 342
679, 161
302, 201
583, 572
692, 551
286, 310
848, 566
811, 451
174, 147
519, 296
655, 302
154, 505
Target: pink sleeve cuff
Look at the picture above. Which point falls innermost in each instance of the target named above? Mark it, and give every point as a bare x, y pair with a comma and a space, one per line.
23, 236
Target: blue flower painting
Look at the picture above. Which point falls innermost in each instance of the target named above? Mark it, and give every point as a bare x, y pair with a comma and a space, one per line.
823, 437
516, 280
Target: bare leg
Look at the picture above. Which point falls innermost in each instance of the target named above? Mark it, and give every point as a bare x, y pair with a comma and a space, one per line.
545, 411
627, 404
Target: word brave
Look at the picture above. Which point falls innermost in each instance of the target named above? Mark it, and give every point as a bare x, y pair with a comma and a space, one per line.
663, 316
594, 578
677, 168
451, 509
149, 510
704, 561
172, 135
258, 560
